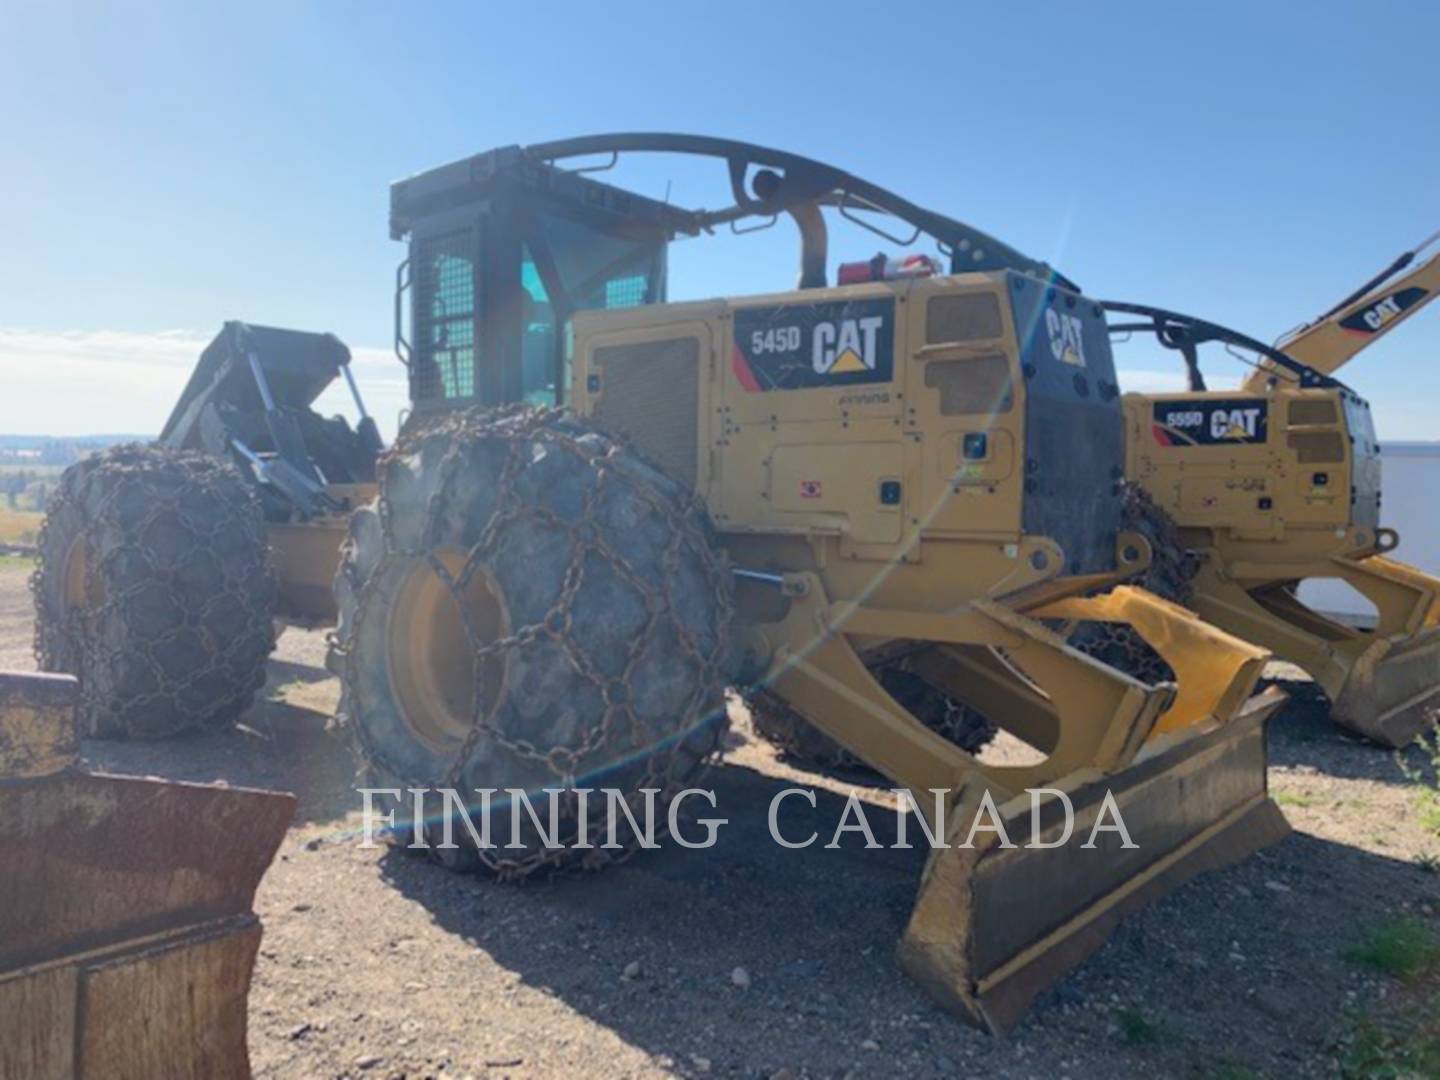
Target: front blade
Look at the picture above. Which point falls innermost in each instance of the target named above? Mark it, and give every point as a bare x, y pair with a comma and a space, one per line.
1392, 693
993, 927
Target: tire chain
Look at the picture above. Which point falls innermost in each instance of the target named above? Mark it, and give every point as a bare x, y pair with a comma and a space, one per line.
1170, 575
522, 427
159, 482
781, 726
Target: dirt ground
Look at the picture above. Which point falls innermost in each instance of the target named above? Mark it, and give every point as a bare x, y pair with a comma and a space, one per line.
376, 963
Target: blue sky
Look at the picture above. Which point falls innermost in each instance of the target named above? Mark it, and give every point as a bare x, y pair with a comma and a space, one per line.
167, 166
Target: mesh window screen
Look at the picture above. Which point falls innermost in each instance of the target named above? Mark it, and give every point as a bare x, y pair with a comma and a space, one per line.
623, 292
445, 317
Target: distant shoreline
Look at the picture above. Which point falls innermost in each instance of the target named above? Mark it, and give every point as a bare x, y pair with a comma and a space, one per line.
1410, 449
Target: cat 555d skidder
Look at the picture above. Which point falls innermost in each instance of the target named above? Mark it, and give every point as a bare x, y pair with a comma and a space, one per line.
1278, 482
921, 463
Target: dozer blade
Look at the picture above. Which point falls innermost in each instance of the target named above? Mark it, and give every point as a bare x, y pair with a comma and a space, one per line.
128, 936
995, 925
1392, 692
1383, 683
997, 921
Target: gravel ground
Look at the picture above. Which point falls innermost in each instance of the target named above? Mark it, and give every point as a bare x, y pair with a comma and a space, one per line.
376, 963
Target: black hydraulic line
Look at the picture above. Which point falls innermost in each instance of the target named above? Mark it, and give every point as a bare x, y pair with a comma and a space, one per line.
1394, 268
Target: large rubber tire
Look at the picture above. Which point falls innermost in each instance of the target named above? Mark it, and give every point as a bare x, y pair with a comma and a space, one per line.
154, 589
528, 604
803, 743
1170, 575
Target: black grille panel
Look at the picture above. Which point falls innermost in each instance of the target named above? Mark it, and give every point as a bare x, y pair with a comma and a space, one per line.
1074, 430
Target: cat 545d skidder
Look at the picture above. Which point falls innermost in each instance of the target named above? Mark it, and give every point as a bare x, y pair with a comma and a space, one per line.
796, 489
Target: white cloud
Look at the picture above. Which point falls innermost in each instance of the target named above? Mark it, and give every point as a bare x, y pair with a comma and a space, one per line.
84, 382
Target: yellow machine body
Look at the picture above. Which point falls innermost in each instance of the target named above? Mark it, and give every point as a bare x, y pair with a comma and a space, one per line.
923, 465
862, 529
1276, 484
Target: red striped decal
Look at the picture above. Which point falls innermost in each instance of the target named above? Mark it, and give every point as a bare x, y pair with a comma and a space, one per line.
742, 370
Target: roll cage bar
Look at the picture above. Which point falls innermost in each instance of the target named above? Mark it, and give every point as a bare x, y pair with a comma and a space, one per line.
765, 183
1186, 334
779, 182
802, 181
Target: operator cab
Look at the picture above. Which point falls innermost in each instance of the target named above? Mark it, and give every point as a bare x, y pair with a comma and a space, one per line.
506, 246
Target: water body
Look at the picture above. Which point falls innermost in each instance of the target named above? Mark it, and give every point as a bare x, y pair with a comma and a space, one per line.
1409, 504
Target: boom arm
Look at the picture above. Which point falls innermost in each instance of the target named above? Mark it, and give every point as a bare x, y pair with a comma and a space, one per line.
1376, 308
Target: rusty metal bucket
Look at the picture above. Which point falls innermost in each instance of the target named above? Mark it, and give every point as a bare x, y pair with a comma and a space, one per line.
127, 938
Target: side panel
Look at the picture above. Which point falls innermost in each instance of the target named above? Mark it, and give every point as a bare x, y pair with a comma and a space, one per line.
809, 438
1074, 430
1254, 465
965, 408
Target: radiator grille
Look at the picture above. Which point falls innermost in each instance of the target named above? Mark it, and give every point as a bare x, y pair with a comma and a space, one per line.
1318, 447
1304, 413
971, 386
650, 392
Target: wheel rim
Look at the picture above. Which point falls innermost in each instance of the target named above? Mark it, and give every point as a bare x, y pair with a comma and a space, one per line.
432, 665
78, 591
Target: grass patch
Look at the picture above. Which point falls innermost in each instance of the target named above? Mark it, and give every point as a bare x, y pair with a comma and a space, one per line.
1286, 798
1425, 777
1137, 1029
1404, 948
19, 526
17, 564
1408, 1049
1430, 815
1233, 1072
